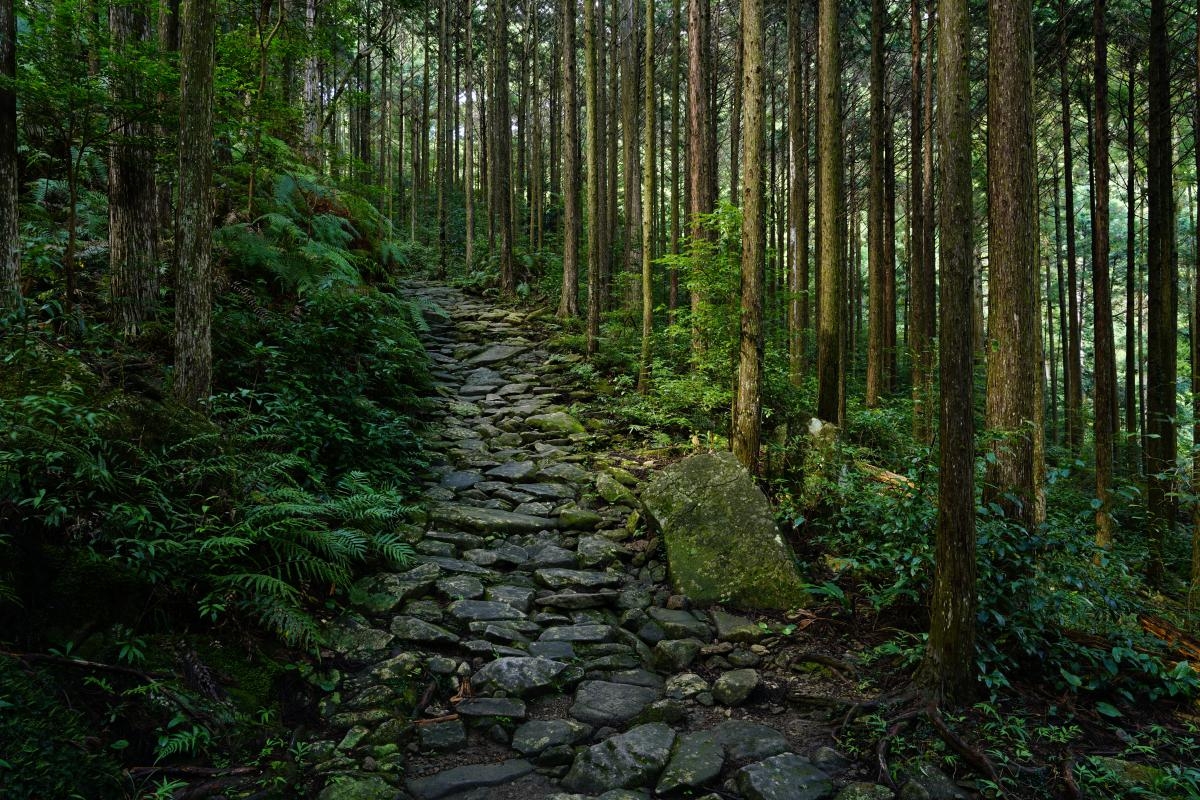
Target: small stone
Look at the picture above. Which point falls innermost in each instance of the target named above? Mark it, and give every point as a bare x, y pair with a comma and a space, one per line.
598, 551
443, 737
512, 471
461, 587
552, 556
541, 734
411, 629
829, 760
463, 779
783, 777
353, 737
686, 685
555, 578
744, 740
578, 633
679, 624
491, 707
482, 610
370, 787
460, 480
555, 422
734, 628
496, 354
732, 688
574, 518
519, 677
613, 491
606, 703
519, 597
574, 601
865, 791
673, 655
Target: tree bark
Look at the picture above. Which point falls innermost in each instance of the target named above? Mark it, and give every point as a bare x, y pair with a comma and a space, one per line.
1132, 416
568, 304
701, 183
1163, 302
797, 205
193, 231
1195, 576
502, 157
469, 148
876, 317
1105, 355
10, 243
1073, 378
1012, 369
631, 171
594, 145
948, 669
647, 206
921, 291
747, 406
831, 177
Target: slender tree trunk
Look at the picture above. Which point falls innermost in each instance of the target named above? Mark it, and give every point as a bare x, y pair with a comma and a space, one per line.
594, 145
803, 231
1010, 480
747, 405
133, 196
797, 208
1195, 586
701, 197
1132, 395
676, 233
921, 287
193, 231
647, 206
568, 304
1106, 366
948, 669
502, 160
889, 255
1074, 360
876, 318
830, 249
311, 148
443, 135
629, 146
1163, 302
469, 149
735, 111
10, 243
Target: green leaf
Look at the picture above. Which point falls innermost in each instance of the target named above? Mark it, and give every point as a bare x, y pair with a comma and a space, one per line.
1108, 710
1074, 680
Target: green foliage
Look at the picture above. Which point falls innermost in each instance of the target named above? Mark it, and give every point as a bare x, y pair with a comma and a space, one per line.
47, 749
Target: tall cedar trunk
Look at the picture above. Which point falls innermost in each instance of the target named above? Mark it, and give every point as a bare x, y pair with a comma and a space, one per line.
889, 255
1133, 457
676, 233
1060, 282
193, 229
797, 208
1051, 368
804, 233
629, 145
735, 111
1163, 302
701, 183
831, 177
1012, 367
10, 249
647, 206
876, 318
168, 42
1106, 365
469, 147
1195, 587
132, 195
443, 135
747, 404
1073, 378
594, 145
612, 157
920, 334
948, 669
502, 158
568, 303
311, 147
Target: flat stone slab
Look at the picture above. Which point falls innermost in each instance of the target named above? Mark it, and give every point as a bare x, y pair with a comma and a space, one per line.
513, 471
519, 677
541, 734
593, 634
555, 422
606, 703
696, 759
744, 740
462, 779
411, 629
496, 354
734, 628
482, 611
559, 578
783, 777
489, 520
575, 601
508, 707
622, 762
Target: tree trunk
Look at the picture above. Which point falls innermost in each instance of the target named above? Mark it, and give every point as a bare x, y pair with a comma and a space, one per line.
701, 184
1195, 585
443, 135
1106, 366
1162, 268
632, 261
948, 669
193, 231
797, 205
1132, 416
747, 405
311, 148
594, 145
673, 279
1012, 368
1073, 378
568, 304
647, 206
469, 148
889, 255
132, 194
876, 318
502, 157
10, 243
830, 176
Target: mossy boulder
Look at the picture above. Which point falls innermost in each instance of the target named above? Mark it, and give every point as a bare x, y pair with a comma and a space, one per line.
723, 545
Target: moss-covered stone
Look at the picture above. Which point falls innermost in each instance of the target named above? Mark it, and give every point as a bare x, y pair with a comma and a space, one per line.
723, 545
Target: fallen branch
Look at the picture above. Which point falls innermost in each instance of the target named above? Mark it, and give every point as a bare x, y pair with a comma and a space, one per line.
193, 772
81, 663
431, 720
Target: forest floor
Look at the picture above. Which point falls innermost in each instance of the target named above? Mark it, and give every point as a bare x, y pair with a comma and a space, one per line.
537, 636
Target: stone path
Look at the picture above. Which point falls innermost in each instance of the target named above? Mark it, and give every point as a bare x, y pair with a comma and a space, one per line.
536, 636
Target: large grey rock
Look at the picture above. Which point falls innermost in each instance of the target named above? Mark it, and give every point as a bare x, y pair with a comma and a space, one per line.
482, 610
733, 628
556, 578
496, 354
681, 624
696, 760
622, 762
411, 629
443, 737
723, 545
488, 520
542, 734
555, 422
604, 703
519, 677
477, 707
462, 779
745, 740
783, 777
593, 634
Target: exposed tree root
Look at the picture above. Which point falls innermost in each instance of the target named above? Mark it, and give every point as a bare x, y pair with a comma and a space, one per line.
835, 665
80, 663
1068, 776
432, 720
975, 758
898, 724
